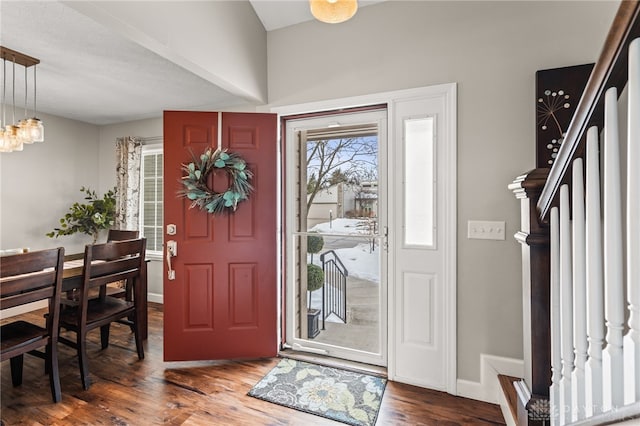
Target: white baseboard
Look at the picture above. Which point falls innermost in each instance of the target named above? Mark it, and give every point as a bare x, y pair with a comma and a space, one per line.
155, 297
488, 389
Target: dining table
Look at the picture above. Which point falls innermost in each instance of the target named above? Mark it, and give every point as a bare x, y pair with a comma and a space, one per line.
72, 280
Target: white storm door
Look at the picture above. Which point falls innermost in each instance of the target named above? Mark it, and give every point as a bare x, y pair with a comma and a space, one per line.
423, 240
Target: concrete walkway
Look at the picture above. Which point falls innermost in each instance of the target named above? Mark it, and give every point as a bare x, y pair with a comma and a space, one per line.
362, 330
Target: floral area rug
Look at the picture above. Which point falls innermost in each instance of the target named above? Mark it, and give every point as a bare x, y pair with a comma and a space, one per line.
340, 395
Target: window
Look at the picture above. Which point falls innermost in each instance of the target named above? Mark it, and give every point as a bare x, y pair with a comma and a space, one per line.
151, 226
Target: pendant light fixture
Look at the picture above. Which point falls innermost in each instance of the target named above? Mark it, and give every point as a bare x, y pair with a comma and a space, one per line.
333, 11
14, 135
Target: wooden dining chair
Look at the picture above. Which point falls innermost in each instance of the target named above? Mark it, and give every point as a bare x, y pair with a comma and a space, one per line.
122, 234
103, 264
120, 288
27, 278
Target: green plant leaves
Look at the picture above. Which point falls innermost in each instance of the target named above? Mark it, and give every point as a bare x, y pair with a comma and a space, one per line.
88, 218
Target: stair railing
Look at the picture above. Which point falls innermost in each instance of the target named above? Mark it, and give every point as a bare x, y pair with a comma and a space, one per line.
591, 201
334, 290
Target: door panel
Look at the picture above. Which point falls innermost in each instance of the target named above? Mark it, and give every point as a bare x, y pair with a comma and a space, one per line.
223, 301
420, 243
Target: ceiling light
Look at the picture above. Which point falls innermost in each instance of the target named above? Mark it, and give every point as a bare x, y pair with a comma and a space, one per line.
333, 11
27, 130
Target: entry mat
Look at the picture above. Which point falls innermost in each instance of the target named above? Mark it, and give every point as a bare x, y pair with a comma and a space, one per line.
340, 395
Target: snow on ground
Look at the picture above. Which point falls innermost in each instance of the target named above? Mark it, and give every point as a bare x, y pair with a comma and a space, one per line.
343, 226
359, 260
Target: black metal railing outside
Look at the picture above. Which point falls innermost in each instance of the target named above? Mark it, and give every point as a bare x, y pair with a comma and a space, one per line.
334, 290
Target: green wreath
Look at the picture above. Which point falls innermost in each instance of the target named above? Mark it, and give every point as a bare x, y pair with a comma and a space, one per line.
197, 172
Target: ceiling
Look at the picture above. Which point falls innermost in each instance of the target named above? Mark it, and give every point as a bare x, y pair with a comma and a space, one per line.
81, 77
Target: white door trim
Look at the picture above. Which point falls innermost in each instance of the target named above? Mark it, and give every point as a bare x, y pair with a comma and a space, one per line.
448, 92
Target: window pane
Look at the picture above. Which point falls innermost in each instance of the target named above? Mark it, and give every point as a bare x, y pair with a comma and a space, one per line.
159, 189
418, 188
149, 214
149, 164
150, 235
151, 187
158, 239
159, 218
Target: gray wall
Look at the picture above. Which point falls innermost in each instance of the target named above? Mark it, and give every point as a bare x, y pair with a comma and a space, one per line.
492, 50
40, 183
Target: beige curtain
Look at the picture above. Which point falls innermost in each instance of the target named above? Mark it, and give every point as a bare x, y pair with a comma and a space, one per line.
128, 152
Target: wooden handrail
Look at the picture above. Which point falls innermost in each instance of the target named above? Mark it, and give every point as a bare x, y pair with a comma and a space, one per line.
609, 71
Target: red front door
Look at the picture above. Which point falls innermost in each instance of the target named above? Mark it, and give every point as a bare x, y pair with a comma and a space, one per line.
222, 302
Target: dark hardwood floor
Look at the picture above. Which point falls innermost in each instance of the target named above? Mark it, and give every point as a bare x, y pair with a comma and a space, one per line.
126, 391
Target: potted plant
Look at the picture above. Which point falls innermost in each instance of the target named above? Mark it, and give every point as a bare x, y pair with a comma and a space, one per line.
90, 217
315, 281
314, 244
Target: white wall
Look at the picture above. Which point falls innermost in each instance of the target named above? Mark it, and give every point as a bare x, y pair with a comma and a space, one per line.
492, 50
39, 184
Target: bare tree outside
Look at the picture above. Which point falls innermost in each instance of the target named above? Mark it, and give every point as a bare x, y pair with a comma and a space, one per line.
346, 160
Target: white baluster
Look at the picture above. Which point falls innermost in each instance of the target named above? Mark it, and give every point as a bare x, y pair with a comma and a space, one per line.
632, 340
556, 357
595, 286
613, 368
566, 308
579, 292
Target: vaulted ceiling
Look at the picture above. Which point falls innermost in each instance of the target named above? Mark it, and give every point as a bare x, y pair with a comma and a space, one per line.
92, 74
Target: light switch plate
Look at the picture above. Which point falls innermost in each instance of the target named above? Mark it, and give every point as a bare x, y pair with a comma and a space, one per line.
486, 230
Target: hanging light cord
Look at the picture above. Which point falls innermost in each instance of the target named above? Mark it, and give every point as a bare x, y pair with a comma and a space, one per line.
14, 90
4, 90
35, 67
26, 91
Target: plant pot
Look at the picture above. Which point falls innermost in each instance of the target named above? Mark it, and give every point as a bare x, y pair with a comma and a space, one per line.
313, 323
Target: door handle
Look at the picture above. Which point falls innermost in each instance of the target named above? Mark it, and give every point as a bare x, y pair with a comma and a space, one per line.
172, 251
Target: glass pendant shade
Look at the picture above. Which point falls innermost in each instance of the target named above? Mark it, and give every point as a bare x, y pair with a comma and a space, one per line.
4, 143
27, 130
11, 137
24, 133
333, 11
36, 129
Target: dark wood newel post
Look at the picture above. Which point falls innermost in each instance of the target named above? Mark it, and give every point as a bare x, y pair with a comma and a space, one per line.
534, 239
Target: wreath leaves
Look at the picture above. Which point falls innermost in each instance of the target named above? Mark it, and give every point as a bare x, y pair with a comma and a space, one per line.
196, 175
